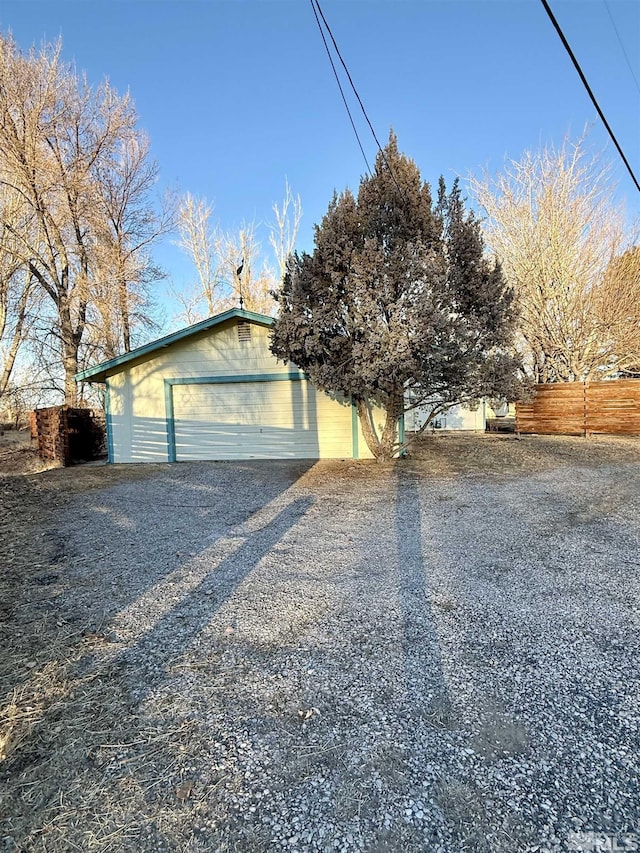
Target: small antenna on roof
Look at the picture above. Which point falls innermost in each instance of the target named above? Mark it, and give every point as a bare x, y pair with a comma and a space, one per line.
238, 274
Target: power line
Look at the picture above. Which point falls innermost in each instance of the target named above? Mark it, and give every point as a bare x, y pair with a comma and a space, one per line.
588, 88
335, 74
315, 4
626, 56
355, 92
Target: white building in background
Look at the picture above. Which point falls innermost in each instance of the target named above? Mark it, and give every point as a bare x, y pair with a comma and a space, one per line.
457, 418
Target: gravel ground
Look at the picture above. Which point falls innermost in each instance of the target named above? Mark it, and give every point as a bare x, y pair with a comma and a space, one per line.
436, 656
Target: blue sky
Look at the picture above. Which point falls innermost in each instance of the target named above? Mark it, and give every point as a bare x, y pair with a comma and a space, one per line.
237, 94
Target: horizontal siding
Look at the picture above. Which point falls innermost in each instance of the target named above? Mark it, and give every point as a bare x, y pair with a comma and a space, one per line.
198, 367
222, 348
457, 418
149, 440
138, 415
137, 400
277, 420
120, 419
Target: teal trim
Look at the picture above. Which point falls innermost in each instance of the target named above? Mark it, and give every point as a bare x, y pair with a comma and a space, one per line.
99, 372
291, 376
171, 426
355, 432
401, 435
108, 422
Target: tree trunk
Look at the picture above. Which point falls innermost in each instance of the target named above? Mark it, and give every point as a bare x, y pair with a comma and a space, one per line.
70, 346
124, 313
382, 447
368, 430
388, 444
16, 339
70, 362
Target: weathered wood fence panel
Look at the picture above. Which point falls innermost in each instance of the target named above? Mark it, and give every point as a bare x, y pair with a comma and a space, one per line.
579, 408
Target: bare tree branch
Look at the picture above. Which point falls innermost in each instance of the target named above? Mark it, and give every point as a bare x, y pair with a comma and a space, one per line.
558, 231
284, 233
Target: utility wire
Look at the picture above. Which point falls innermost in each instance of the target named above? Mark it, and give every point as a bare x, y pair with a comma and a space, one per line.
316, 6
355, 92
335, 74
626, 56
588, 88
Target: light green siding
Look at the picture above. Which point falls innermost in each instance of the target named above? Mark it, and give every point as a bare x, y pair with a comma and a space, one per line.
243, 419
259, 420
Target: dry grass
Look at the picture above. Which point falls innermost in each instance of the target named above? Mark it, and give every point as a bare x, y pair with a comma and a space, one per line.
18, 454
509, 455
50, 746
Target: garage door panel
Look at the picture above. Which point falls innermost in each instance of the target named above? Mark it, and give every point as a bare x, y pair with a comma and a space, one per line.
254, 418
259, 420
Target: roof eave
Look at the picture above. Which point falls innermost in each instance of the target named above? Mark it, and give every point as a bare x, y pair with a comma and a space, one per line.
99, 372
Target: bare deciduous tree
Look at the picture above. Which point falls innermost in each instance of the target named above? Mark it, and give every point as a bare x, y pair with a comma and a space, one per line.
17, 287
200, 240
73, 156
553, 222
126, 226
229, 265
615, 305
285, 231
240, 262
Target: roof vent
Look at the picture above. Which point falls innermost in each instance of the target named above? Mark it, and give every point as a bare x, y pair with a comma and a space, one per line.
244, 331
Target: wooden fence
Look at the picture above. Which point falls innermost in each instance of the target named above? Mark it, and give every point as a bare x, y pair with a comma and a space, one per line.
580, 408
67, 435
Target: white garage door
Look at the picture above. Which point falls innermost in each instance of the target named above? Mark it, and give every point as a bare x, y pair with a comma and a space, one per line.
259, 420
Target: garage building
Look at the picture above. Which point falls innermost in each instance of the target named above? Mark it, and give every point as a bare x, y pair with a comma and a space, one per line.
215, 391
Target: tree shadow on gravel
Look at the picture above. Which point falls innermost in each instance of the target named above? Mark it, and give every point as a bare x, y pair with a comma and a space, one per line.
540, 576
426, 688
428, 706
172, 635
67, 684
70, 563
423, 531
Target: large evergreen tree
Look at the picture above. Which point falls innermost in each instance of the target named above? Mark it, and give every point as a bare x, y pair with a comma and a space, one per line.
397, 306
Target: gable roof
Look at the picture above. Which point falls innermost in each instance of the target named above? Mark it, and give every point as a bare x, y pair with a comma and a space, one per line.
98, 373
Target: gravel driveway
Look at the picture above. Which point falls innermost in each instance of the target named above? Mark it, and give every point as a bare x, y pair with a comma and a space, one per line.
261, 656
